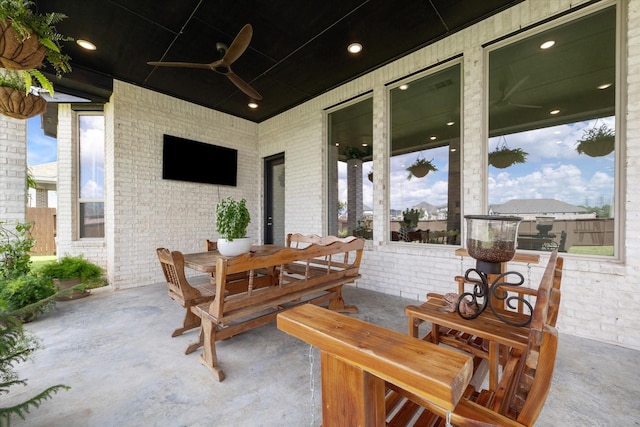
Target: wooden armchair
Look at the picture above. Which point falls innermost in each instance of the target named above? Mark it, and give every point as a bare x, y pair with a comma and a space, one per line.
487, 337
517, 402
180, 290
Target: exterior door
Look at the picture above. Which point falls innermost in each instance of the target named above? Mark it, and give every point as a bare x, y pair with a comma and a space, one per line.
274, 200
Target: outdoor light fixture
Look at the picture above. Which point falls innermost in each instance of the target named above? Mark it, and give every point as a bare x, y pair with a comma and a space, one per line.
354, 48
253, 105
403, 87
604, 86
547, 44
554, 112
86, 44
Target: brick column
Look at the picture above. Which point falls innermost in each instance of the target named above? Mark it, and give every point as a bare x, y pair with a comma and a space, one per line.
13, 169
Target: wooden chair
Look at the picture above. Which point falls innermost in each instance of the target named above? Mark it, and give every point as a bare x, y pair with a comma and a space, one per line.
487, 337
210, 245
518, 401
180, 290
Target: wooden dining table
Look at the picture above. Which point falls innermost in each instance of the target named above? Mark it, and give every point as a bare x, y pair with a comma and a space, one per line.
205, 262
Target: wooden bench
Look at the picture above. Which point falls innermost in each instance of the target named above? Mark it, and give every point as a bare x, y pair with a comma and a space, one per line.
296, 276
487, 337
359, 358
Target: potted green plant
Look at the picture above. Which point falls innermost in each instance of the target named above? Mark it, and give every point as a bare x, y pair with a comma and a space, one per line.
597, 141
73, 272
27, 38
410, 218
17, 99
503, 156
420, 168
232, 220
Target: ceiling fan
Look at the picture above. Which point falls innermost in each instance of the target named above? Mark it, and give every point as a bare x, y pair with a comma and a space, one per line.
223, 66
507, 94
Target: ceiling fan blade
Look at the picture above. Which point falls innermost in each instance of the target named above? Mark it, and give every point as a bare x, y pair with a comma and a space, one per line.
515, 88
524, 105
181, 64
244, 86
239, 45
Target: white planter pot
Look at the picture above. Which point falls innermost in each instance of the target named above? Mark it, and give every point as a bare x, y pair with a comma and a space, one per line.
235, 247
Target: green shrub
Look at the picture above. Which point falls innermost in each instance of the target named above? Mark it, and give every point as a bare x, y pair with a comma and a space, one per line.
18, 293
15, 244
71, 267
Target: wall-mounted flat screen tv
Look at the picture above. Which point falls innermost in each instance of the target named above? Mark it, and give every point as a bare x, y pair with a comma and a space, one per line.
193, 161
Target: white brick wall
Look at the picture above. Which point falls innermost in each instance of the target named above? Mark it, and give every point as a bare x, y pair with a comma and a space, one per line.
13, 170
146, 212
143, 211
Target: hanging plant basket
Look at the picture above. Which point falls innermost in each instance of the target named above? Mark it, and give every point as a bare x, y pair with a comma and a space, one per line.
420, 168
16, 54
20, 105
597, 142
503, 156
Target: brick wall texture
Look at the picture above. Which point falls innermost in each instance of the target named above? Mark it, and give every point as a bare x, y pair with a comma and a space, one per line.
144, 212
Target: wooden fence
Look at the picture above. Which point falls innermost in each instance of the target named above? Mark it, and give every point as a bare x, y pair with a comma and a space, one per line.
43, 231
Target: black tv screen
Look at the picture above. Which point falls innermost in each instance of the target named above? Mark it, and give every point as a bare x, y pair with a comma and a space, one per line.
193, 161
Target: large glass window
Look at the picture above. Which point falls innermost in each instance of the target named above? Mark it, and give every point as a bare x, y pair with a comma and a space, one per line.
424, 181
351, 170
552, 150
91, 183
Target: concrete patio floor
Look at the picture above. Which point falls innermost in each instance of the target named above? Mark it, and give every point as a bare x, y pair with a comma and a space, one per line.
115, 350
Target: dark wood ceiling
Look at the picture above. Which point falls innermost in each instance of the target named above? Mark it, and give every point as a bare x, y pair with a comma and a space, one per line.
298, 49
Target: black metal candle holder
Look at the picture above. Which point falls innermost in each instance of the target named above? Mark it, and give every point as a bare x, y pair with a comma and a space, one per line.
486, 292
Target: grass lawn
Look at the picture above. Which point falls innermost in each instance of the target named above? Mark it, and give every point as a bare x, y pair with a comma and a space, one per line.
591, 250
38, 261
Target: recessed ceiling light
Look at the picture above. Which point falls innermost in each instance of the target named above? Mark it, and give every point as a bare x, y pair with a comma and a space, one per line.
364, 144
253, 105
403, 87
337, 144
547, 44
454, 150
604, 86
86, 44
354, 48
451, 123
433, 138
554, 112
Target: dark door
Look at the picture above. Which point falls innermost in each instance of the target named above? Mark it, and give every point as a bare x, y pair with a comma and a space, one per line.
274, 200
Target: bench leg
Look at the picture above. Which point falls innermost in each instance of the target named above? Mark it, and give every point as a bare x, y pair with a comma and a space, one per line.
209, 357
195, 345
190, 321
337, 303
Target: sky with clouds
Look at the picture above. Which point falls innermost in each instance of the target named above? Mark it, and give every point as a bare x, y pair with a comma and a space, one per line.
40, 148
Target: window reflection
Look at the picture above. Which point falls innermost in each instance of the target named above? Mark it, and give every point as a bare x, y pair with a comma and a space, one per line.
351, 170
424, 181
552, 136
91, 183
